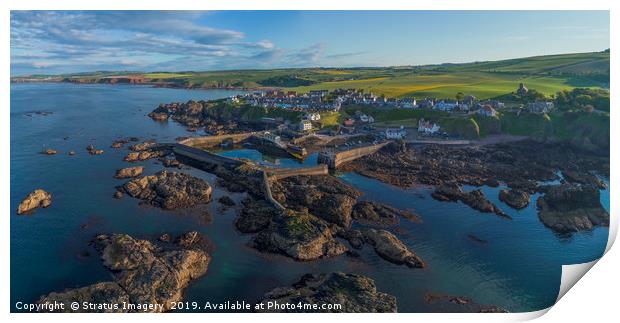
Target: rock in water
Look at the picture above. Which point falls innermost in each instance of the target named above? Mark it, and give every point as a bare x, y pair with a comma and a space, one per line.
354, 294
569, 208
129, 172
515, 198
475, 199
391, 249
301, 236
170, 190
142, 155
144, 273
379, 214
143, 146
37, 198
458, 304
324, 196
49, 152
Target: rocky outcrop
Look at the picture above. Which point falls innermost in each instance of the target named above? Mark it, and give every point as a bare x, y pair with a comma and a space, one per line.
515, 198
129, 172
255, 215
170, 162
379, 214
118, 143
37, 198
569, 208
144, 273
391, 249
49, 152
226, 201
518, 164
475, 199
143, 146
93, 151
143, 155
169, 190
301, 236
458, 304
355, 294
324, 196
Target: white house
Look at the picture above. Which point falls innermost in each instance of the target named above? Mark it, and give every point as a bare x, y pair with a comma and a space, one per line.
305, 125
540, 107
445, 106
314, 116
427, 127
233, 99
487, 111
409, 103
395, 133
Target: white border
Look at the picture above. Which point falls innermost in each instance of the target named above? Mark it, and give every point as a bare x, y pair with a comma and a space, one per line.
594, 300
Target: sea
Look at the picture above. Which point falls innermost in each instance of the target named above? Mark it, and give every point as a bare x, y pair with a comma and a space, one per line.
518, 267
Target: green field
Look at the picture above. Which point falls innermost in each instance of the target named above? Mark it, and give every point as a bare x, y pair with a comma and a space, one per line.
546, 74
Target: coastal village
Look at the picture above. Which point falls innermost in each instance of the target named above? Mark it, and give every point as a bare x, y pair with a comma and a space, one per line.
318, 102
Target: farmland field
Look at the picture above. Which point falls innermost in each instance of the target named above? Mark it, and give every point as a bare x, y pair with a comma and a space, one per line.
546, 74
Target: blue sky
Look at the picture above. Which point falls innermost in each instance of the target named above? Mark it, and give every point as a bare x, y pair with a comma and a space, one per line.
52, 42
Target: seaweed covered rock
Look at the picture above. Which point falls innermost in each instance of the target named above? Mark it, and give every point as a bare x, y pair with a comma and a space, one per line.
354, 294
569, 208
324, 196
301, 236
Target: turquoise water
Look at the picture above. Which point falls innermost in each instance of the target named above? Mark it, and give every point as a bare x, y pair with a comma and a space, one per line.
519, 267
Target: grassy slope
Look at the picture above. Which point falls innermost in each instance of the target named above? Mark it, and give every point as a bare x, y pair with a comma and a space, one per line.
546, 74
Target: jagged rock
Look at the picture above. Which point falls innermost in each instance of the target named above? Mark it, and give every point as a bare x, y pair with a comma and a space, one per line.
255, 215
49, 152
354, 237
475, 199
93, 151
167, 162
158, 116
515, 198
129, 172
143, 273
227, 201
165, 237
99, 293
143, 146
169, 190
118, 194
142, 155
301, 236
324, 196
391, 249
37, 198
118, 143
355, 293
458, 304
379, 214
569, 208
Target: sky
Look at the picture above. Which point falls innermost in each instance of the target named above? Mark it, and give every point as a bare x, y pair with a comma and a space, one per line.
56, 42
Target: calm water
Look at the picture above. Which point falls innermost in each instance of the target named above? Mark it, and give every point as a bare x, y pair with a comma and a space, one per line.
519, 268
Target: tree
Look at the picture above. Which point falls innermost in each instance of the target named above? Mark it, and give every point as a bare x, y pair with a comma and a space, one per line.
460, 96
